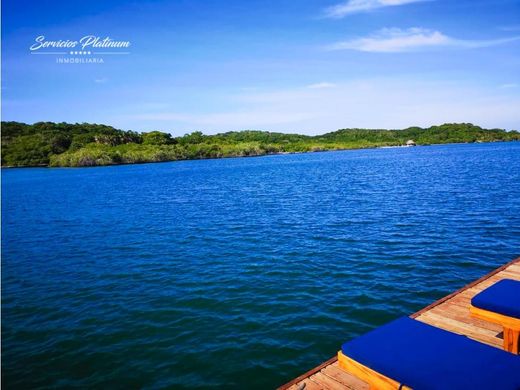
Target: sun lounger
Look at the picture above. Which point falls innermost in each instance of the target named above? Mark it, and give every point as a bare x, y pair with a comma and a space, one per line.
500, 304
410, 354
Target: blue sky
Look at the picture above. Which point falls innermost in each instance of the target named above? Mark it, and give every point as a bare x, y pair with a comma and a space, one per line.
306, 66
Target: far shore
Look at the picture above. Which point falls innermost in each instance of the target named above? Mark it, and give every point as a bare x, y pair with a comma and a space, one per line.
257, 155
87, 144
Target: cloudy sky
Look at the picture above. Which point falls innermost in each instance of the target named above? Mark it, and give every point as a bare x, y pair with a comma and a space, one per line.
307, 66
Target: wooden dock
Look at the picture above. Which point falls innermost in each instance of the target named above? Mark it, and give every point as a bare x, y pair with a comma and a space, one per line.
450, 313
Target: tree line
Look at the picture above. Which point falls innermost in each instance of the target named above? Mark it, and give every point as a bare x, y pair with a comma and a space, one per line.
85, 144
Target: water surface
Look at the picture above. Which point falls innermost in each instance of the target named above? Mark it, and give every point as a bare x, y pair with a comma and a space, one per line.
238, 273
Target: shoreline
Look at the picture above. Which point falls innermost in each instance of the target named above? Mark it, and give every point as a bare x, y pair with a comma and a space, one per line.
256, 155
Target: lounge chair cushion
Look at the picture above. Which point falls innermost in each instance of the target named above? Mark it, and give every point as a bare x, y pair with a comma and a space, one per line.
421, 356
503, 298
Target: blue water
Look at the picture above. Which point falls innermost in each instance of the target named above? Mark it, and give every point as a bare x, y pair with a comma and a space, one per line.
238, 273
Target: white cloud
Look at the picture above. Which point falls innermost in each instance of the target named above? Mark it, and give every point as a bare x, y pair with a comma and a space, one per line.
392, 40
321, 85
355, 6
509, 85
102, 80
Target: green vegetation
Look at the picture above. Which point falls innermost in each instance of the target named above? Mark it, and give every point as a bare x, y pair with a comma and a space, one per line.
78, 145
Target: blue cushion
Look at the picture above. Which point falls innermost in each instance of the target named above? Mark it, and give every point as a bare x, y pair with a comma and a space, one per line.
424, 357
503, 297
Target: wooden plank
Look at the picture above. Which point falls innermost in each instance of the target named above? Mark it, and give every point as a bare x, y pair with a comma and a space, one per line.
309, 385
514, 268
512, 273
456, 324
506, 274
328, 383
462, 313
308, 373
344, 377
461, 328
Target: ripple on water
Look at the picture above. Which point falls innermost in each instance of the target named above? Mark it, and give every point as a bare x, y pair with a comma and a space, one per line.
239, 272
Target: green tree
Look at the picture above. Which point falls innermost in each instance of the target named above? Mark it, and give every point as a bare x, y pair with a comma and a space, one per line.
194, 138
157, 138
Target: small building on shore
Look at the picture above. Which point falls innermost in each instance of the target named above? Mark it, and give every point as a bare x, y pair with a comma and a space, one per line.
411, 142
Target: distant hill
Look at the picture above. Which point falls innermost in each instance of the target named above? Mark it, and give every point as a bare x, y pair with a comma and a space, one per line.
84, 144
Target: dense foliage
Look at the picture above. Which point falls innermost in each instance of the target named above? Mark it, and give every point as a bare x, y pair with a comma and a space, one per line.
75, 145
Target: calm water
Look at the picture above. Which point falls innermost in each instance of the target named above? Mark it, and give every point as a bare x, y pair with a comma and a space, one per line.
238, 272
